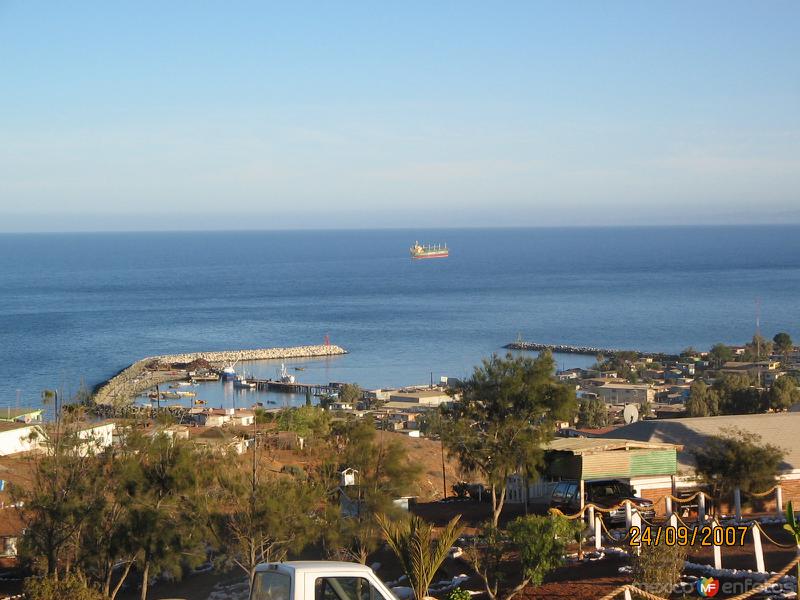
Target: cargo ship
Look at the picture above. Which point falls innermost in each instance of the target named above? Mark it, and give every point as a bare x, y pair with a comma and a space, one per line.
429, 251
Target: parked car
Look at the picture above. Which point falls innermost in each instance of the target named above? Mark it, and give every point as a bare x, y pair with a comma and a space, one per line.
604, 493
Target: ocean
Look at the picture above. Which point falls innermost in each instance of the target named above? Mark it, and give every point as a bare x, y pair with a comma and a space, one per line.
79, 307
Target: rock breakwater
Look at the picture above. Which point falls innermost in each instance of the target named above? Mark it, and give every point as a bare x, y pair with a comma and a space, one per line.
155, 370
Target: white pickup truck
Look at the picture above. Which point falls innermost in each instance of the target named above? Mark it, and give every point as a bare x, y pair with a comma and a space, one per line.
318, 580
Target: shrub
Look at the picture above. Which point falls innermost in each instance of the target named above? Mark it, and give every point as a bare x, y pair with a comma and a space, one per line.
657, 568
47, 588
459, 594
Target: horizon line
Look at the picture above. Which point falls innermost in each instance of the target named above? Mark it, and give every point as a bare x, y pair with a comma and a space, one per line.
407, 228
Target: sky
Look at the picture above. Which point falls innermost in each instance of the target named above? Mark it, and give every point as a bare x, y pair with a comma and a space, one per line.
260, 115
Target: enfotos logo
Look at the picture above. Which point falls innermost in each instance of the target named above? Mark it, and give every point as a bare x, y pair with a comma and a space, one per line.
707, 587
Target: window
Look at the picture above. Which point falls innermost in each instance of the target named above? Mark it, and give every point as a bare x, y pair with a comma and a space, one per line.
345, 588
558, 493
270, 585
572, 490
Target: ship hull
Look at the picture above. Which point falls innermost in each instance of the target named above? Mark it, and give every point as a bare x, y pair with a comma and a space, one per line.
431, 255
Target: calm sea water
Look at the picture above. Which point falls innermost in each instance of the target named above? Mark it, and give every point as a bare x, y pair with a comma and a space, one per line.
82, 306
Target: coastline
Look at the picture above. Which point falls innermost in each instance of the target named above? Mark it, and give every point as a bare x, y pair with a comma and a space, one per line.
140, 375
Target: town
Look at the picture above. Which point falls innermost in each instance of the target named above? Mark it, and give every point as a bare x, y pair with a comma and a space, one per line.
169, 496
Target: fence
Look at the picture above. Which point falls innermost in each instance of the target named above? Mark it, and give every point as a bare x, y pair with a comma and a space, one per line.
633, 518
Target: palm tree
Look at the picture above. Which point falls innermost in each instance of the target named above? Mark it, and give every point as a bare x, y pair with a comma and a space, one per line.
419, 555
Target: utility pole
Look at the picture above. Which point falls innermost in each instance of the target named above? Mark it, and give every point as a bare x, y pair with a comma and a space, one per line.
444, 478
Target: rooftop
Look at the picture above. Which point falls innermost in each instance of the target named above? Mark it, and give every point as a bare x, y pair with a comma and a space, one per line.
580, 445
779, 429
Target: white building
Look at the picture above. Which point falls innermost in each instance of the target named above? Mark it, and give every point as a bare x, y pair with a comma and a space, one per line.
20, 437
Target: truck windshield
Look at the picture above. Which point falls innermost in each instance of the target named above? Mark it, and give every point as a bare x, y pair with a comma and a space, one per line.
270, 585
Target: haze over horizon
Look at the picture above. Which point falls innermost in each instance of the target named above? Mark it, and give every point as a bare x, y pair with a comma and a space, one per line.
143, 116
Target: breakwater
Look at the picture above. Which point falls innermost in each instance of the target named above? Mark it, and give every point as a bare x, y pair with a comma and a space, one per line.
586, 350
148, 372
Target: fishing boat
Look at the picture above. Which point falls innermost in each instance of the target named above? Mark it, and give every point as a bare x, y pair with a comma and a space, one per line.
170, 395
228, 373
186, 394
241, 383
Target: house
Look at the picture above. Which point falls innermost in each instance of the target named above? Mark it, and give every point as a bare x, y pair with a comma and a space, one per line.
625, 393
690, 433
21, 415
243, 418
217, 440
432, 397
211, 417
97, 436
174, 432
20, 437
587, 459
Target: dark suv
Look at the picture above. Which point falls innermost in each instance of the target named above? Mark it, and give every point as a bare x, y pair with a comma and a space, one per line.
604, 493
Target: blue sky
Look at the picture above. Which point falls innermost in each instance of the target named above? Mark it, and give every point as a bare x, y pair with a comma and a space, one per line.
201, 115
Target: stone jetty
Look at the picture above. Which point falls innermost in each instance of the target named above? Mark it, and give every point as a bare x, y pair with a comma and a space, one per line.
148, 372
587, 350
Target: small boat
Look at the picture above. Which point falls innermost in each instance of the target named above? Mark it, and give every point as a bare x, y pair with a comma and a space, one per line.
241, 383
199, 402
170, 395
186, 394
299, 368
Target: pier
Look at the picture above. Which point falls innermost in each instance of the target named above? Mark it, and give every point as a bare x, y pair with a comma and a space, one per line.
316, 389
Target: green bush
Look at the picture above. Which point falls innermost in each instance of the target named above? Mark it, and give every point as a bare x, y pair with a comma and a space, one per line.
47, 588
459, 594
657, 568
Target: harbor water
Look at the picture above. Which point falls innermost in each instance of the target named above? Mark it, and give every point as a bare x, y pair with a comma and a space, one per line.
80, 307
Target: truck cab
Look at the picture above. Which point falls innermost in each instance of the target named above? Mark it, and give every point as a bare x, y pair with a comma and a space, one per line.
318, 580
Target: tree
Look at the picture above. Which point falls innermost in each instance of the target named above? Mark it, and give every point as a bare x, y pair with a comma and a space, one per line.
720, 354
350, 393
535, 545
383, 473
420, 556
703, 400
783, 393
783, 344
758, 349
502, 416
255, 519
62, 498
305, 421
737, 395
161, 484
592, 413
737, 459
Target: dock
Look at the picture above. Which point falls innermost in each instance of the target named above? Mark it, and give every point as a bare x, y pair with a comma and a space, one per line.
316, 389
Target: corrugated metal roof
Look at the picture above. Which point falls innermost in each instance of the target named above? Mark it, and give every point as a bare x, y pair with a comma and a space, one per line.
603, 444
780, 429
